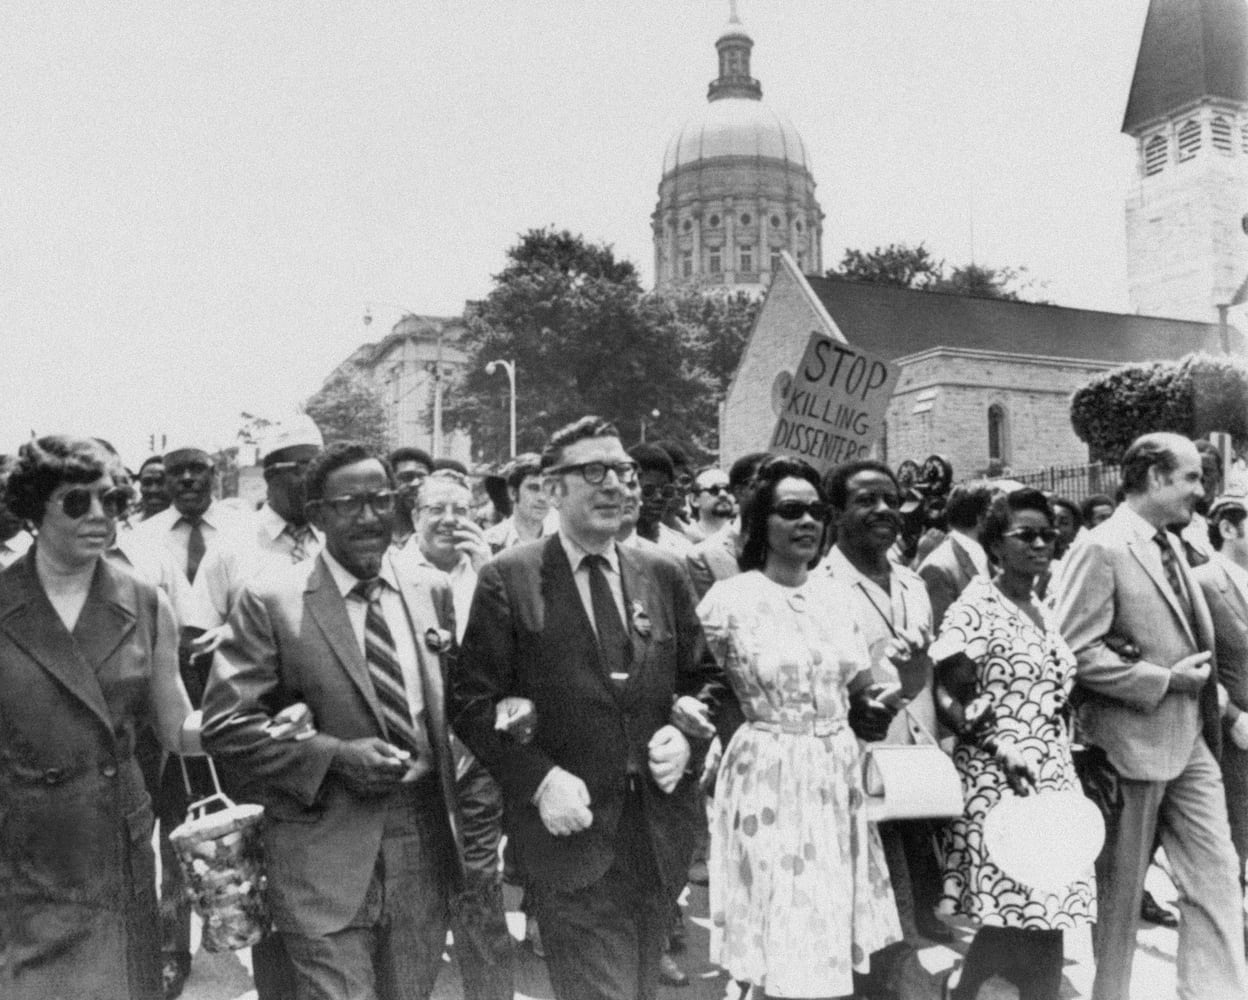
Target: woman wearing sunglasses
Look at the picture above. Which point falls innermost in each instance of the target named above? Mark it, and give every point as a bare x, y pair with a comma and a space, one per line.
87, 655
1004, 677
799, 889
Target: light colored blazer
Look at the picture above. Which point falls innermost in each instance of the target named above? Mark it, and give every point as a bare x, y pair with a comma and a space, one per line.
293, 641
1112, 585
714, 558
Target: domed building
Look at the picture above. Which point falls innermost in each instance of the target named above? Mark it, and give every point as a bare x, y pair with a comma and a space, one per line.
736, 186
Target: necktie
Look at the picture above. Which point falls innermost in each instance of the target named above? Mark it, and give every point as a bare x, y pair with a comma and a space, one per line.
301, 536
614, 648
1170, 564
387, 676
194, 547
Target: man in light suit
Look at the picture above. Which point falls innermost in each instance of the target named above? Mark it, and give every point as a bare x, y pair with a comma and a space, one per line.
949, 567
361, 832
1224, 581
1156, 719
600, 638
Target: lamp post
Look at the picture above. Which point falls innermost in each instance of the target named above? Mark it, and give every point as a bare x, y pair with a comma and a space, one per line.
434, 369
510, 368
653, 415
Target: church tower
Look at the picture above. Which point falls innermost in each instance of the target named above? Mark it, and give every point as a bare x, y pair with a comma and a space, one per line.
1187, 213
736, 187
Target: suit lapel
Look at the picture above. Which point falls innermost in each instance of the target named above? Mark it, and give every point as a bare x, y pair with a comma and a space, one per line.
1232, 595
328, 609
1147, 556
639, 599
33, 624
108, 617
419, 609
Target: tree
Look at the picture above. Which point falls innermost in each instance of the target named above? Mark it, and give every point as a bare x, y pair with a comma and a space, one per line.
914, 267
1195, 396
348, 408
585, 339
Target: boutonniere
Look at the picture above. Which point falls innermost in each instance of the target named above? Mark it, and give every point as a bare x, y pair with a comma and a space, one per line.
438, 640
641, 620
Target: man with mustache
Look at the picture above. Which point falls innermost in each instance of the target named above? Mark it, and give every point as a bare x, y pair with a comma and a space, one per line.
713, 503
895, 615
361, 832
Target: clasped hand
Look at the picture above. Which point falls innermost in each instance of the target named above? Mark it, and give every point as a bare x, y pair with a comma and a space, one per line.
370, 766
1189, 675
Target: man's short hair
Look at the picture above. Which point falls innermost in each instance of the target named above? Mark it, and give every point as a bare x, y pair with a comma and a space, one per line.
334, 457
152, 460
744, 469
521, 467
677, 452
579, 430
1089, 504
652, 458
1146, 452
836, 481
409, 454
1232, 513
449, 463
1069, 505
968, 502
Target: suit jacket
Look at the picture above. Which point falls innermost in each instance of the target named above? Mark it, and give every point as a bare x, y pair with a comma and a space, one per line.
946, 571
1228, 609
714, 558
75, 818
529, 635
1112, 585
293, 641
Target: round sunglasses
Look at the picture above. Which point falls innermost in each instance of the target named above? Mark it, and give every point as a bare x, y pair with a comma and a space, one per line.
76, 503
795, 510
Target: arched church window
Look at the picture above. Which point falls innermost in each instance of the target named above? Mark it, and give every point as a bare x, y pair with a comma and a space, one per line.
1154, 155
997, 434
1189, 140
1220, 130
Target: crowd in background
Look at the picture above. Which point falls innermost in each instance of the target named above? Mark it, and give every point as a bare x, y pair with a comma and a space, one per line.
599, 672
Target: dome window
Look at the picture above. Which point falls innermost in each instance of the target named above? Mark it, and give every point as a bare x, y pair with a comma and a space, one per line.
745, 218
745, 258
775, 222
1244, 133
688, 224
1154, 155
715, 262
686, 264
1189, 140
799, 225
775, 261
714, 221
1221, 134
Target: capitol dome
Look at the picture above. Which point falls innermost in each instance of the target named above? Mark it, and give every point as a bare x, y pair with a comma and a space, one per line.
736, 186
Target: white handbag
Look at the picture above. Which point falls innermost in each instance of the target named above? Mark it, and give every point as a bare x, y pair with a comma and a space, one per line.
916, 781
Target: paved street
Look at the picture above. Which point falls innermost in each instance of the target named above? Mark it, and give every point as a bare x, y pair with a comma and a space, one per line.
227, 977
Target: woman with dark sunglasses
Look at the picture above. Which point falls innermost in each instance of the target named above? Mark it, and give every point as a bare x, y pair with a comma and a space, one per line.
88, 654
1004, 676
800, 895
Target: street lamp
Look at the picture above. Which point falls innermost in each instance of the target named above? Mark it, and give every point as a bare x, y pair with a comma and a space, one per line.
653, 415
510, 368
434, 369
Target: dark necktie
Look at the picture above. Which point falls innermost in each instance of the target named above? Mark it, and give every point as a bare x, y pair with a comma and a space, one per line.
301, 537
1170, 563
194, 547
387, 676
614, 648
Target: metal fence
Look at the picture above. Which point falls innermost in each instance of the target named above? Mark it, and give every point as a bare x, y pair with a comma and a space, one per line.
1075, 482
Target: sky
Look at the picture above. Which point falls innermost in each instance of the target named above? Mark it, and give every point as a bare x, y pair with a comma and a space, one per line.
197, 201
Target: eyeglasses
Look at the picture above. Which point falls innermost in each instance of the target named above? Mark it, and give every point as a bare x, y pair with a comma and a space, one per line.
1028, 536
651, 490
795, 510
411, 476
595, 473
76, 503
352, 504
445, 510
714, 490
188, 468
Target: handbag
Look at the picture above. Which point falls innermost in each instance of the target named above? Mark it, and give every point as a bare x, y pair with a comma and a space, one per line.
910, 781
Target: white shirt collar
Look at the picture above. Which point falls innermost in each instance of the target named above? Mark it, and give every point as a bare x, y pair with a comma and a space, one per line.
576, 552
345, 580
19, 543
1139, 526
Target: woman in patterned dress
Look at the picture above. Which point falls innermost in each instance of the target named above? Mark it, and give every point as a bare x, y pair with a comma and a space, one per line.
1004, 676
799, 889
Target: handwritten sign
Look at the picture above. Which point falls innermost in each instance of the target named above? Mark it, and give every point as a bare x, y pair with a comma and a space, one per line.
831, 410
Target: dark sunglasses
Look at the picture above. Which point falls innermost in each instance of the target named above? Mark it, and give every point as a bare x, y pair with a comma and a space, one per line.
714, 491
650, 491
795, 510
351, 505
1028, 536
76, 503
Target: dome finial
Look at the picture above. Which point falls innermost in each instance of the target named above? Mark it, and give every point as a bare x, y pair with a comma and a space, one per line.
734, 46
732, 12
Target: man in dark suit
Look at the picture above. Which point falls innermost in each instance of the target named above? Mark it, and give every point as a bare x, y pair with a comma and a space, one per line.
1155, 716
361, 834
600, 638
949, 567
1224, 581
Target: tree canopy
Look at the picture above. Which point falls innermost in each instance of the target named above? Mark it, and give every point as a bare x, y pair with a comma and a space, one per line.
914, 267
348, 408
585, 338
1195, 396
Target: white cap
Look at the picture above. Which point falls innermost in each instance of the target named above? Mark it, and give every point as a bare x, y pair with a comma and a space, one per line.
293, 432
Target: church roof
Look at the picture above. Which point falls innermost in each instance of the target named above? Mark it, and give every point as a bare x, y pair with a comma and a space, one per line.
1190, 49
896, 322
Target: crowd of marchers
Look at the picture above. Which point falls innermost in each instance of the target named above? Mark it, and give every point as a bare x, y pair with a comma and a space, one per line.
602, 672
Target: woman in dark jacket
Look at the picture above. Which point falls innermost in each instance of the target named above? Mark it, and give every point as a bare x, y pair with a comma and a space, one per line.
87, 654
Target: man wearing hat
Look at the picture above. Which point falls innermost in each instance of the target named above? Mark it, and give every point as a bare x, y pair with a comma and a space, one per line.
1224, 581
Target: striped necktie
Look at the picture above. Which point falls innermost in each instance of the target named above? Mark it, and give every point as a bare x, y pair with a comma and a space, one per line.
301, 537
1170, 563
387, 676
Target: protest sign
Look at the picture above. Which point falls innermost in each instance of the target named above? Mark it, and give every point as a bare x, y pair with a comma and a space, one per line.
832, 408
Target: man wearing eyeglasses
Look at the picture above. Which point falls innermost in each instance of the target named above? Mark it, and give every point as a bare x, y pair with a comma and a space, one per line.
716, 557
713, 503
361, 832
599, 637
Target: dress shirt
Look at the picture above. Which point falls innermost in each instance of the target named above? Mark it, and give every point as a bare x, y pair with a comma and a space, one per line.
1146, 533
170, 530
395, 613
880, 613
580, 575
463, 583
12, 549
504, 535
973, 549
153, 564
242, 550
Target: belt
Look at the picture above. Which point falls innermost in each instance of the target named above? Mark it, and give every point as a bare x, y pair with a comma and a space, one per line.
802, 727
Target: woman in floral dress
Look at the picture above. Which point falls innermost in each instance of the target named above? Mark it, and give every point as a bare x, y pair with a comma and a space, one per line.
799, 889
1004, 677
